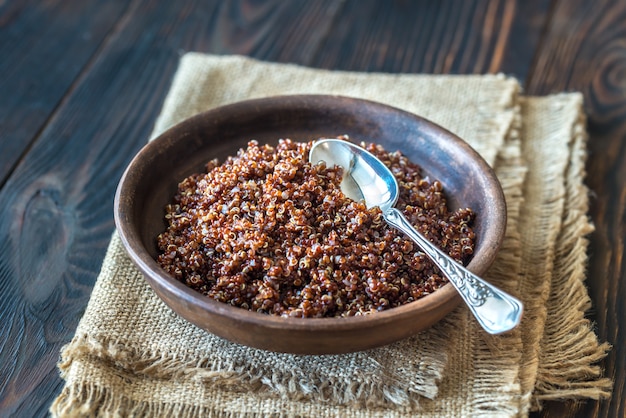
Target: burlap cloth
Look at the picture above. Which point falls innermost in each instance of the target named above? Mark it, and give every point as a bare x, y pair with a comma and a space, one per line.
132, 356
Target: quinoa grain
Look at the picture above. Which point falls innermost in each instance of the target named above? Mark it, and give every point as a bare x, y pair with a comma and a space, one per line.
269, 232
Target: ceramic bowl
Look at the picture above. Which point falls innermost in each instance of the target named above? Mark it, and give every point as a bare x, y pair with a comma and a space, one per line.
151, 179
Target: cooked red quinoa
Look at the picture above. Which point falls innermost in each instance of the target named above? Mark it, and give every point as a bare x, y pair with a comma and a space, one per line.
269, 232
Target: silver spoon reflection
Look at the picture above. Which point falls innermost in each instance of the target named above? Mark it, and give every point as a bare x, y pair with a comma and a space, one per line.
366, 178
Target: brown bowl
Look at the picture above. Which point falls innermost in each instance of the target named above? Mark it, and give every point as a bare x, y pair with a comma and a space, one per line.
151, 179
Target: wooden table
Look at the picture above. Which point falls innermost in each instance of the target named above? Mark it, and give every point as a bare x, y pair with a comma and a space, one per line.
82, 82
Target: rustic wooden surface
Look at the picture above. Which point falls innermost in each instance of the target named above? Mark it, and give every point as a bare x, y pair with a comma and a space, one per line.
82, 81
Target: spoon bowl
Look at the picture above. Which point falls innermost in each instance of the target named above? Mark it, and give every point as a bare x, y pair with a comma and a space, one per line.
367, 178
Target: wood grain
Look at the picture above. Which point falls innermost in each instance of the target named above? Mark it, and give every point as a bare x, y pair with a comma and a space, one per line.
44, 45
584, 49
448, 36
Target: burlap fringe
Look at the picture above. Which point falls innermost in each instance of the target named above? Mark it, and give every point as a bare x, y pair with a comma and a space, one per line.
570, 371
92, 400
367, 392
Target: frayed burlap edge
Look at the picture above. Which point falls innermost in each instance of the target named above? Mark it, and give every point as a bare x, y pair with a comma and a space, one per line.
369, 391
101, 389
570, 349
93, 399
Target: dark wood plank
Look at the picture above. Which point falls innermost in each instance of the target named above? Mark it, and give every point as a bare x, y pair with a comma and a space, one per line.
585, 49
44, 45
56, 213
476, 36
280, 31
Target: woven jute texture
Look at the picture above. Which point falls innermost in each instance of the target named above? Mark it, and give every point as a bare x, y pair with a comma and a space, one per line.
132, 356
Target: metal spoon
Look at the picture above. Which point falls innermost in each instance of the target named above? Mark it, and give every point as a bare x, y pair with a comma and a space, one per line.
366, 178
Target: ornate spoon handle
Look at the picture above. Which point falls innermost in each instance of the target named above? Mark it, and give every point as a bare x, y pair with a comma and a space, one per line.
495, 310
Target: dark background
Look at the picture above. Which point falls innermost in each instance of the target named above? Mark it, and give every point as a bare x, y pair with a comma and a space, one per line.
82, 82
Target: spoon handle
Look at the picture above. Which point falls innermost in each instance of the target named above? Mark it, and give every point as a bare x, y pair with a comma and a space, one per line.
495, 310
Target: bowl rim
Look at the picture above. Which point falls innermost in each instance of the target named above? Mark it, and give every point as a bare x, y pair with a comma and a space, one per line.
132, 242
